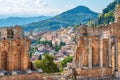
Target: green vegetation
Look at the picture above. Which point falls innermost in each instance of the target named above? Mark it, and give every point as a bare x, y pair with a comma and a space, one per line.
66, 60
45, 43
91, 23
38, 63
107, 15
75, 26
40, 57
62, 44
58, 47
47, 64
32, 51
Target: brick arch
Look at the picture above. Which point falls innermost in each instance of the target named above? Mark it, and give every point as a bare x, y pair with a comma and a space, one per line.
4, 60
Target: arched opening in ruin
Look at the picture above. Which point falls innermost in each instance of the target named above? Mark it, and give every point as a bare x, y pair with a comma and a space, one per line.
4, 60
95, 53
17, 60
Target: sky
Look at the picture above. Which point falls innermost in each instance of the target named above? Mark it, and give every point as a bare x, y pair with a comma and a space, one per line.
30, 8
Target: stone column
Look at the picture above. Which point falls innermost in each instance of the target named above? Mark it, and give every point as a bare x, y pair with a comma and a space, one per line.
74, 59
10, 57
79, 63
116, 74
109, 53
90, 54
101, 52
77, 44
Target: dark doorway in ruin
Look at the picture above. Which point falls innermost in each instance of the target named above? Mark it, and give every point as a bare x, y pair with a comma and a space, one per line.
4, 60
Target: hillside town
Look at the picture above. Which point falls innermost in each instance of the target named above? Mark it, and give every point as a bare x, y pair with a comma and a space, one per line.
64, 37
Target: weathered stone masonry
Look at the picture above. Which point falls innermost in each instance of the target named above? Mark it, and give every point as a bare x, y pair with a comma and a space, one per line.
14, 49
99, 49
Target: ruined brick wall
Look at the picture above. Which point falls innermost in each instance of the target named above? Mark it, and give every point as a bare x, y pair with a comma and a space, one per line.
94, 34
20, 58
10, 32
4, 54
14, 54
33, 76
17, 32
3, 32
81, 56
95, 73
14, 50
82, 51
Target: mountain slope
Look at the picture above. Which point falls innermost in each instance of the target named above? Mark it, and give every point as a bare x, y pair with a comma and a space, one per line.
80, 14
10, 21
107, 15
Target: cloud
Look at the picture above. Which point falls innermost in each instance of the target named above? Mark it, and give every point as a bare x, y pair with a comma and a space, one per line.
26, 8
23, 7
23, 3
40, 3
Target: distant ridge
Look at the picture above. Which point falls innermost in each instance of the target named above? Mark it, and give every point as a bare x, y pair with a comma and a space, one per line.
11, 21
80, 14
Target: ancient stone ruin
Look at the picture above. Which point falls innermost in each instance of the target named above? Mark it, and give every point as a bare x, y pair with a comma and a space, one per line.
14, 49
98, 49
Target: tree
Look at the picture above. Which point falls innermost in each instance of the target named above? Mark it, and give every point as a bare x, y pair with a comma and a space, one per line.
38, 40
38, 63
62, 44
30, 54
90, 23
32, 51
40, 57
47, 64
57, 48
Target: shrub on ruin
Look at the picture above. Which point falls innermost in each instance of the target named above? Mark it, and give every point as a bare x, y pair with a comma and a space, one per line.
66, 60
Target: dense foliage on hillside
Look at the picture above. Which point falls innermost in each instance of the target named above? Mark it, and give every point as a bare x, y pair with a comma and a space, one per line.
107, 15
